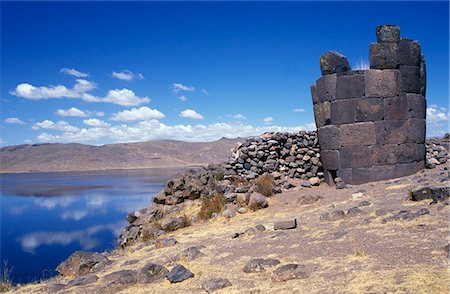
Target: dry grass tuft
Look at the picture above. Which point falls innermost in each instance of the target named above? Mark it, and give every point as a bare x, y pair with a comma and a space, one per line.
211, 205
5, 282
265, 184
149, 231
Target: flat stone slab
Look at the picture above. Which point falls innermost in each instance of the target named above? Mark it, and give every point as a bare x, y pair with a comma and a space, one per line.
215, 284
178, 274
259, 265
289, 272
286, 225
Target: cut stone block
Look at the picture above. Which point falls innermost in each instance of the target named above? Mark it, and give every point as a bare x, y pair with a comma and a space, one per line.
416, 130
381, 83
315, 98
355, 156
423, 77
410, 79
350, 86
388, 33
343, 111
383, 56
322, 114
417, 105
333, 62
391, 132
330, 159
358, 134
395, 108
326, 88
409, 52
369, 109
329, 137
393, 153
345, 174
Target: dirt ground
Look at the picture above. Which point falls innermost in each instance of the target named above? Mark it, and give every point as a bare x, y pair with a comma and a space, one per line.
361, 253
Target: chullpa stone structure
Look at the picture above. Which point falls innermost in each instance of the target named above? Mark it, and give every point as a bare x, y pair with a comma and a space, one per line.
371, 123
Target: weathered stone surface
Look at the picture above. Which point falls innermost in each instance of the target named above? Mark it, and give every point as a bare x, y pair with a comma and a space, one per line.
259, 265
393, 153
331, 159
395, 108
391, 132
352, 211
242, 199
189, 254
326, 88
118, 281
257, 201
289, 272
167, 242
435, 193
285, 225
150, 273
423, 77
343, 111
358, 134
355, 156
178, 274
322, 114
309, 199
350, 86
54, 287
173, 223
369, 109
83, 280
388, 33
333, 62
409, 52
381, 83
406, 215
383, 56
417, 105
333, 215
215, 284
81, 263
314, 94
330, 137
416, 130
410, 79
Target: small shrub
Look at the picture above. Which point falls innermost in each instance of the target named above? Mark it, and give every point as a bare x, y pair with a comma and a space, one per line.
149, 231
211, 205
219, 175
5, 282
265, 184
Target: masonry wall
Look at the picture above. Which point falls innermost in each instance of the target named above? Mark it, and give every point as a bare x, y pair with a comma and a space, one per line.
371, 123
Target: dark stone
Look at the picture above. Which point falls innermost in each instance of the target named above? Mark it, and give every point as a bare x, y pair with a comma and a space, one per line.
329, 137
383, 56
161, 243
173, 223
355, 156
322, 114
416, 105
364, 203
332, 216
354, 211
259, 265
416, 130
435, 193
247, 166
381, 83
326, 88
331, 159
345, 174
391, 132
189, 254
53, 288
388, 34
392, 154
410, 79
83, 280
358, 134
395, 108
178, 274
81, 263
343, 111
423, 77
260, 228
285, 225
305, 184
289, 272
118, 281
150, 273
409, 52
350, 86
333, 62
369, 109
315, 98
215, 284
257, 201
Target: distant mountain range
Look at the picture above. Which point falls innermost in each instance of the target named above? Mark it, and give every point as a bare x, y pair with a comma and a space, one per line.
79, 157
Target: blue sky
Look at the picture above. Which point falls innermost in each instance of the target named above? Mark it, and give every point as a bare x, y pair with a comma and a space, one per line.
106, 72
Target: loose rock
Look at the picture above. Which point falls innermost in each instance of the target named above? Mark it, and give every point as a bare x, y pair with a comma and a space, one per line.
259, 264
178, 274
215, 284
285, 225
289, 272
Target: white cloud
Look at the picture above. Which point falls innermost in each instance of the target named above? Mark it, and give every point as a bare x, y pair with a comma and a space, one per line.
73, 111
268, 119
298, 110
182, 98
237, 116
14, 120
50, 125
94, 122
189, 113
437, 114
123, 97
178, 87
127, 75
155, 130
142, 113
205, 92
74, 72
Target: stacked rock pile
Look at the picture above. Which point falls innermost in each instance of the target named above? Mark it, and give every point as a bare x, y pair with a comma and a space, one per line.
296, 155
438, 151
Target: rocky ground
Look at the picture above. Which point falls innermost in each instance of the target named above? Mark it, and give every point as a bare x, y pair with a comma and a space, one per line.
277, 229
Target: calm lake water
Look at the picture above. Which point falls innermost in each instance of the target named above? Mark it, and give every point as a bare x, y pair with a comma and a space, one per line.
47, 216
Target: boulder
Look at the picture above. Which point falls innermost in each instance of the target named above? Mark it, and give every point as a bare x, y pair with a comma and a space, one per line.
82, 263
215, 284
333, 62
118, 281
286, 225
83, 280
178, 274
289, 272
257, 201
259, 265
150, 273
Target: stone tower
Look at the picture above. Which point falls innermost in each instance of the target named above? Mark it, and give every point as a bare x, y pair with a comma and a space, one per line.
371, 123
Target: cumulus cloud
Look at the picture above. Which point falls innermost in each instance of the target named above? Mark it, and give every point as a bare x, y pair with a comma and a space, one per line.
237, 116
189, 113
298, 110
178, 87
50, 125
73, 111
142, 113
268, 120
182, 98
14, 120
74, 72
94, 122
156, 130
437, 114
127, 75
123, 97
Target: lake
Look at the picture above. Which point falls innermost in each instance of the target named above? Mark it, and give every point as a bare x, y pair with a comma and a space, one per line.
47, 216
